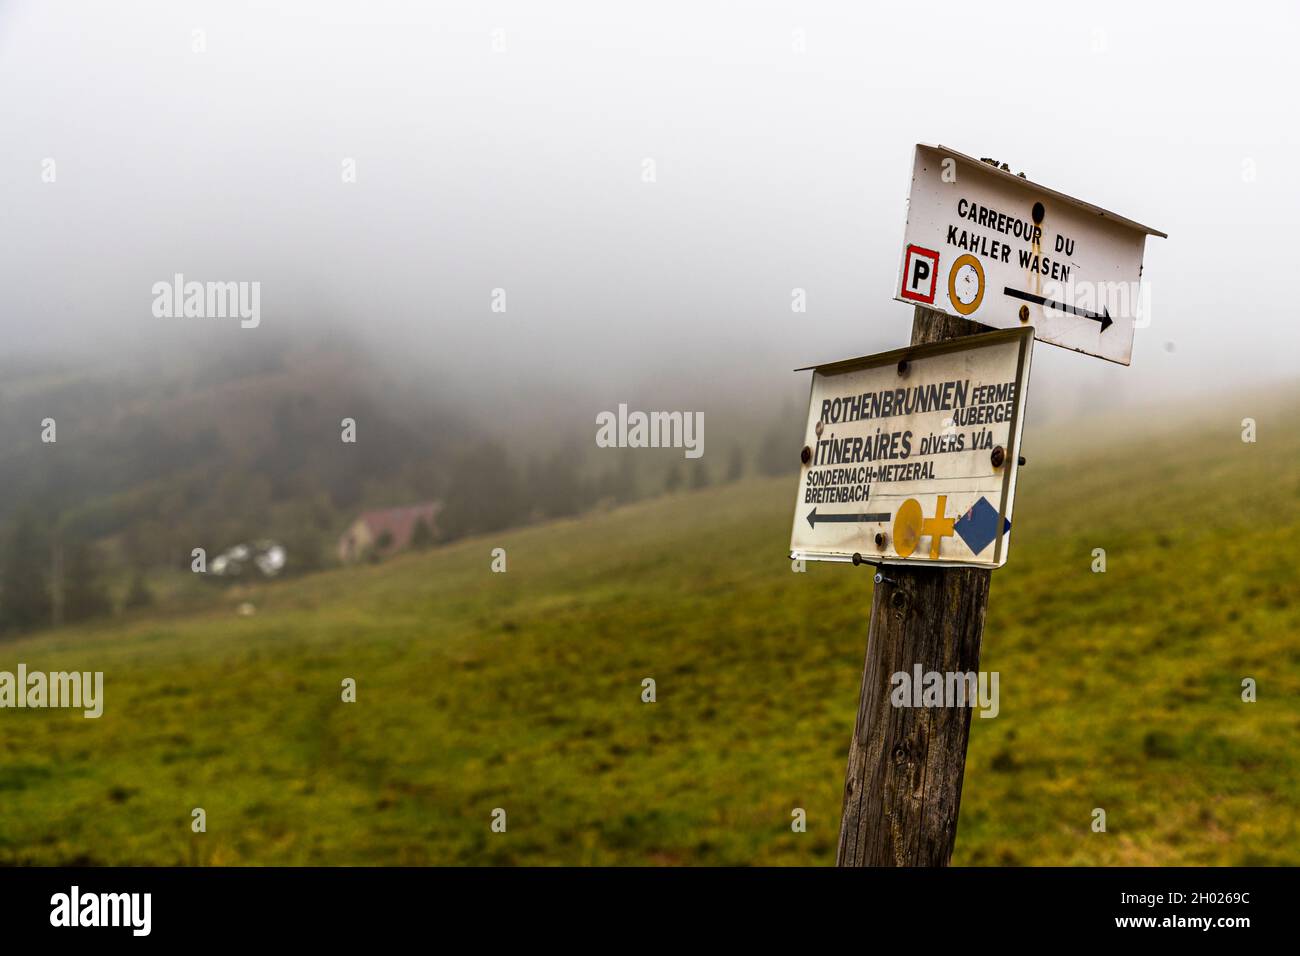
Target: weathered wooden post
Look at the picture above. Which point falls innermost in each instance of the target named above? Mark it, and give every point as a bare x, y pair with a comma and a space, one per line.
902, 788
910, 460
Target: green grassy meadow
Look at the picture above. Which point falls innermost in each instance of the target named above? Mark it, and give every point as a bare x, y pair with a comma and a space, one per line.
522, 690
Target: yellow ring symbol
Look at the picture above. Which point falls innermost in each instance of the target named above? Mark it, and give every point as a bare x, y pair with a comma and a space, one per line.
907, 527
965, 308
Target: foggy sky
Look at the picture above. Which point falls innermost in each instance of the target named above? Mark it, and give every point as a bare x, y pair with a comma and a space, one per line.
522, 169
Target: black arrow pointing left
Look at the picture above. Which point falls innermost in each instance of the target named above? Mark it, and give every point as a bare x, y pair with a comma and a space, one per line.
814, 517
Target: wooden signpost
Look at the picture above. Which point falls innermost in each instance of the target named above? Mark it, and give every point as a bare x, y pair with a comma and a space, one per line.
902, 788
884, 458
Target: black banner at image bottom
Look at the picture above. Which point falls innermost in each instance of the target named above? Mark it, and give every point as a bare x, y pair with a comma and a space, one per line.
134, 906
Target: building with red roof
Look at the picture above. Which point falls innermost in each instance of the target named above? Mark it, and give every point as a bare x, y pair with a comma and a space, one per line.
386, 531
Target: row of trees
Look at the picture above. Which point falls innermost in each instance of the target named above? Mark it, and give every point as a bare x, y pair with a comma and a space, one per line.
46, 580
486, 491
52, 571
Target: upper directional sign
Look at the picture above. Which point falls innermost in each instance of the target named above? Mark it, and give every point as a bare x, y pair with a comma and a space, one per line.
987, 245
910, 456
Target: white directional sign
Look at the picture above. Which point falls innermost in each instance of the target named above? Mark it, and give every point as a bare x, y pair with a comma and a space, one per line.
910, 456
986, 245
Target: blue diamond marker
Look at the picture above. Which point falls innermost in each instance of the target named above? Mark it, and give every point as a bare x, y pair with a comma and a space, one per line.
978, 526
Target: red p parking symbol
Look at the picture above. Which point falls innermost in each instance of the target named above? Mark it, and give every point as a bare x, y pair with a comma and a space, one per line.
920, 273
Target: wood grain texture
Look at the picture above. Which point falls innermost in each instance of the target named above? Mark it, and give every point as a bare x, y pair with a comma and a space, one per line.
902, 789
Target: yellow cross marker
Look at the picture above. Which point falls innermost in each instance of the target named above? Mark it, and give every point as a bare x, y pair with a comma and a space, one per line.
938, 527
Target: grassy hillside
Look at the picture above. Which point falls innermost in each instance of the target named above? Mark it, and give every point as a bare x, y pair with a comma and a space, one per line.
522, 690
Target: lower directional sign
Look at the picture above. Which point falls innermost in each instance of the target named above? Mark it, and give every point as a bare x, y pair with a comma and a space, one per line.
910, 456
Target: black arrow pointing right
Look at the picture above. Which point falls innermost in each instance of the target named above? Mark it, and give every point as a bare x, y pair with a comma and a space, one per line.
1103, 317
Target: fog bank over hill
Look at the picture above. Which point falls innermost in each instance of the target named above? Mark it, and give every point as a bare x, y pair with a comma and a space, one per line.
645, 195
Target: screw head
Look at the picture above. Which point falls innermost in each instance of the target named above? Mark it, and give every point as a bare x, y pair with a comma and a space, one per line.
880, 539
998, 457
819, 429
1024, 313
902, 367
805, 456
857, 559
